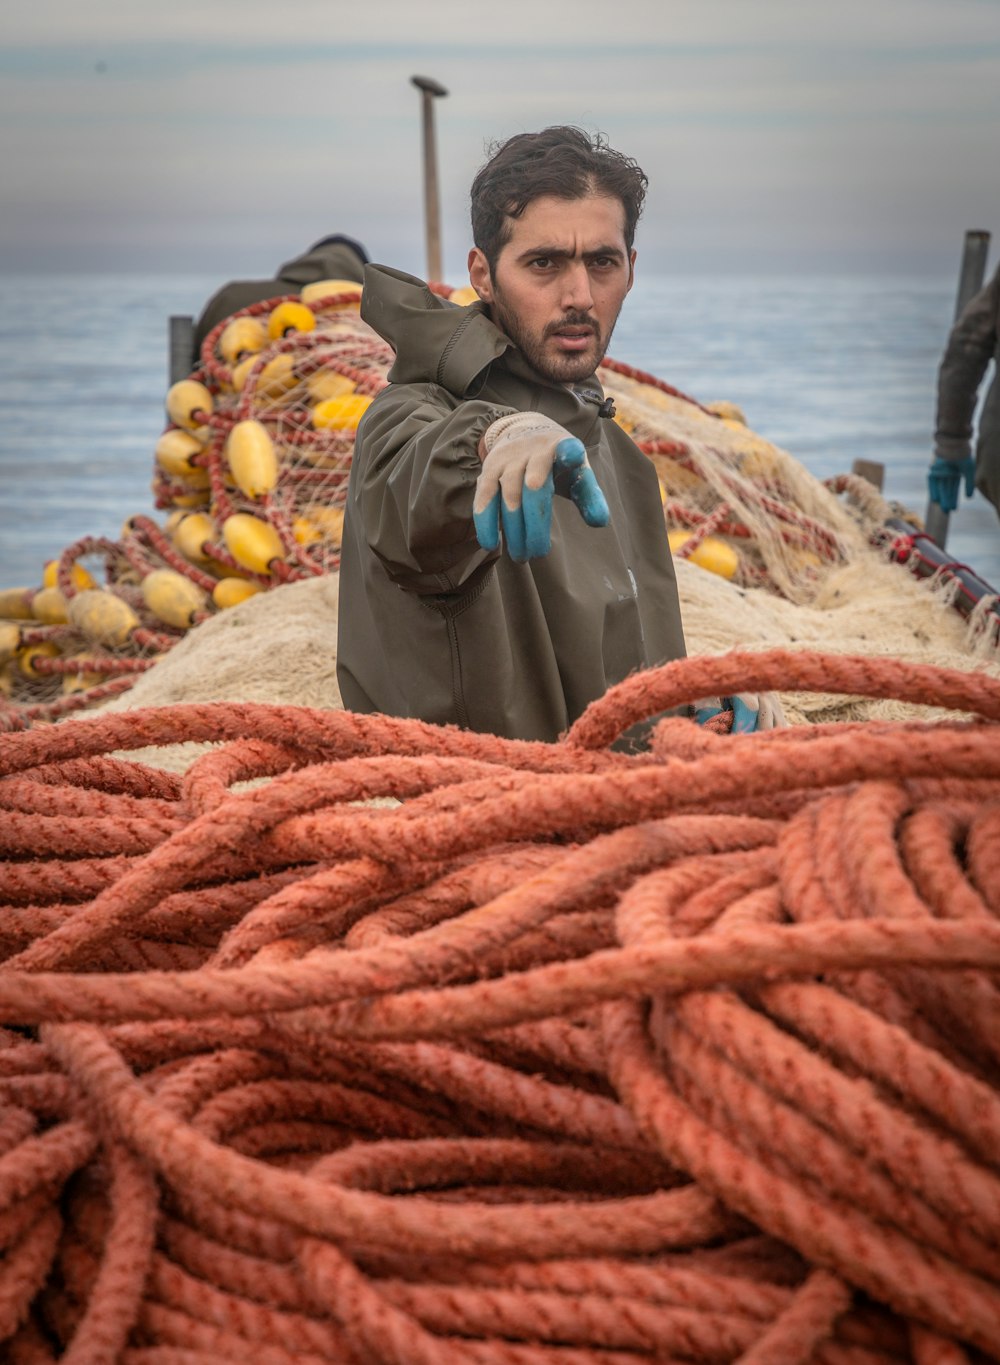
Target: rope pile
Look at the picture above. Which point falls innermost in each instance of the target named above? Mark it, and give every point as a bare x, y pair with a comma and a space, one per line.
567, 1056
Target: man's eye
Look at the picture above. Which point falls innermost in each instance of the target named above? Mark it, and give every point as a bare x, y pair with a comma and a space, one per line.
542, 262
603, 262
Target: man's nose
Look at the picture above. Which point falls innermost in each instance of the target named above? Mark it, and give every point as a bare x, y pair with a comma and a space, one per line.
577, 294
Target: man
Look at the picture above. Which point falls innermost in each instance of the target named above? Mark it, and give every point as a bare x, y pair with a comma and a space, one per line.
974, 341
505, 559
331, 258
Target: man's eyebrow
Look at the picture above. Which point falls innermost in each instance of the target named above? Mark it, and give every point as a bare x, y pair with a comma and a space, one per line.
559, 253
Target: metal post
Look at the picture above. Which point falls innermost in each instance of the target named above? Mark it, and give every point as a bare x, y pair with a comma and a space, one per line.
181, 344
432, 212
970, 281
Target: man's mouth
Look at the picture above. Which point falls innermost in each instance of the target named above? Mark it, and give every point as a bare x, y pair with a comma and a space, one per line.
573, 338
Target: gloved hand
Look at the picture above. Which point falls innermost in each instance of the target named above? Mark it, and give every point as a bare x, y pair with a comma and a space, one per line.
751, 711
944, 477
526, 459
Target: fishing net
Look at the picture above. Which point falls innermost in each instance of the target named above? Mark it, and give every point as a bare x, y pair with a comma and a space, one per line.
249, 484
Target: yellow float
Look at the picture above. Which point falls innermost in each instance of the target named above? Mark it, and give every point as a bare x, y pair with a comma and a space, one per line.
326, 384
321, 290
49, 605
189, 404
175, 451
252, 459
102, 617
713, 554
191, 534
15, 604
27, 656
253, 543
230, 592
10, 642
173, 598
340, 414
79, 576
290, 317
242, 337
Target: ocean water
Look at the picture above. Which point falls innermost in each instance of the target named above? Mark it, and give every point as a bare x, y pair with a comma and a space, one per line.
831, 369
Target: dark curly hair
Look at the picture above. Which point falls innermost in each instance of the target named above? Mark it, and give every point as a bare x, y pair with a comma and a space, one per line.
561, 161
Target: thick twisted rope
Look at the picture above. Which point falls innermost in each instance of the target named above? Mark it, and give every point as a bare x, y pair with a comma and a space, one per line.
564, 1056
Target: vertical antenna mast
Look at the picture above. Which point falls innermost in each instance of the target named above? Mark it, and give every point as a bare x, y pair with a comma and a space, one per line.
429, 89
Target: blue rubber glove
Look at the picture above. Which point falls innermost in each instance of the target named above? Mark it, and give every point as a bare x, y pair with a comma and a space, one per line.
944, 478
751, 711
528, 459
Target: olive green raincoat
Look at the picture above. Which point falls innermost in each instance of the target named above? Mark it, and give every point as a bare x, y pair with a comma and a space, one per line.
435, 627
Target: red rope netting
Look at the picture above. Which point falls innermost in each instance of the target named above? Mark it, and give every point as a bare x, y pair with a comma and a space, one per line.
568, 1056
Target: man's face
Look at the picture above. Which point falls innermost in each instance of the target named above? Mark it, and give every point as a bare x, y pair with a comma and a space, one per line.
559, 283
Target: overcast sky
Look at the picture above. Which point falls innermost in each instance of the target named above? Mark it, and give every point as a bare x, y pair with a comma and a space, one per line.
225, 135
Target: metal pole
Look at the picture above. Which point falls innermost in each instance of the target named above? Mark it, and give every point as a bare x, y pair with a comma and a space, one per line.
970, 281
430, 89
181, 342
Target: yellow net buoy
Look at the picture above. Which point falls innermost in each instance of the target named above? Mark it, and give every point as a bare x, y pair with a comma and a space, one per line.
241, 372
191, 533
253, 543
327, 521
340, 414
189, 404
713, 554
242, 337
290, 317
15, 604
173, 598
81, 681
102, 617
306, 532
27, 656
252, 459
174, 453
10, 641
49, 605
78, 575
464, 296
311, 294
230, 592
326, 384
277, 378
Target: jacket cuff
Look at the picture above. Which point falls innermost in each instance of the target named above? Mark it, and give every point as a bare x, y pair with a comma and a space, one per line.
493, 417
955, 448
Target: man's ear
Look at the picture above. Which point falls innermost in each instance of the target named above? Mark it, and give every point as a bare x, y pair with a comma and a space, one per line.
631, 270
479, 275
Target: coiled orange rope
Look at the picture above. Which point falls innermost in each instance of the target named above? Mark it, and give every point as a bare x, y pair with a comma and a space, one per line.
567, 1056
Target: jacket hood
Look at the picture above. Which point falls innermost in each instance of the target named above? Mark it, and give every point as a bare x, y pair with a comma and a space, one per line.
435, 341
333, 260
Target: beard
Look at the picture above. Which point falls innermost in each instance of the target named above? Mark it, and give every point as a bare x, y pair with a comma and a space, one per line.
568, 368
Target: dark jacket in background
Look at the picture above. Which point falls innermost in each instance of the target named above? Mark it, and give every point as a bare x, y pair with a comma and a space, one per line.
435, 627
334, 258
974, 341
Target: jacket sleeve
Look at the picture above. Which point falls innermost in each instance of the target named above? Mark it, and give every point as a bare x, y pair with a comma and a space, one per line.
417, 464
971, 346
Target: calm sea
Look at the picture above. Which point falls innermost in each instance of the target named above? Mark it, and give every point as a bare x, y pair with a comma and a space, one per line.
832, 369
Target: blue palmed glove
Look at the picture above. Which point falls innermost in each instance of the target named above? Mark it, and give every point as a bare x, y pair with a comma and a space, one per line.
944, 478
527, 459
751, 711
